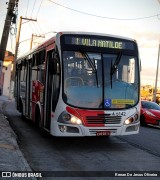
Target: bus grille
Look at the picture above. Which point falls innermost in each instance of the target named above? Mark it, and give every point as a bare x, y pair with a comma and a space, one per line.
103, 119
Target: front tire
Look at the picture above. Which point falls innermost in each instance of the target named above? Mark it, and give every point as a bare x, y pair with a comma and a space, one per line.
39, 123
142, 120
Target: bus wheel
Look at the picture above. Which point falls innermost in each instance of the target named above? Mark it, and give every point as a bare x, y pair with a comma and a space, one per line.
142, 121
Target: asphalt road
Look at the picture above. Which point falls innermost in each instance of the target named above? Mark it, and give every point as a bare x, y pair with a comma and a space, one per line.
126, 153
148, 140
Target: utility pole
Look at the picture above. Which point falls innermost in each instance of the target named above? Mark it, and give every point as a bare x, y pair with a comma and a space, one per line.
17, 43
10, 17
17, 38
16, 53
155, 91
18, 34
34, 35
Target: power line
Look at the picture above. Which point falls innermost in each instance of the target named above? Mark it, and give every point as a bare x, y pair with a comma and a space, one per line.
50, 32
105, 17
39, 9
32, 28
27, 8
33, 7
39, 27
36, 28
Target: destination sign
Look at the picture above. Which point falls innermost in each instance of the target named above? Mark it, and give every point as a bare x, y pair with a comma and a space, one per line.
101, 43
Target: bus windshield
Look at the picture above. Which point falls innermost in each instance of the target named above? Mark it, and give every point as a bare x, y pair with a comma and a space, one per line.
100, 80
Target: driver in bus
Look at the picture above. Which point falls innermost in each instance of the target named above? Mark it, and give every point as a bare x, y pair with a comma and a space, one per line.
90, 83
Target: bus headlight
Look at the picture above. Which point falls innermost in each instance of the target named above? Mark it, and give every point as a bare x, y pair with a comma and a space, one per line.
132, 119
128, 121
75, 120
67, 118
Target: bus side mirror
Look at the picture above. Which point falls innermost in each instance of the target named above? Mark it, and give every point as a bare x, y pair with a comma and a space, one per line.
54, 65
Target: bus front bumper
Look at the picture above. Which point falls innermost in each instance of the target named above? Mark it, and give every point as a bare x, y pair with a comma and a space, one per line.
79, 130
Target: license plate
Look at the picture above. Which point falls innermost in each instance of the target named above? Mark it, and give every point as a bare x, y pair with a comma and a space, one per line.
103, 133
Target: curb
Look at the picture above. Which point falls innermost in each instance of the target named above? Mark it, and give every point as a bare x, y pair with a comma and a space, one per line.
9, 144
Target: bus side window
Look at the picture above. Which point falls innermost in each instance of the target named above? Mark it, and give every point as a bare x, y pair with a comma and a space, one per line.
34, 73
23, 71
23, 79
41, 74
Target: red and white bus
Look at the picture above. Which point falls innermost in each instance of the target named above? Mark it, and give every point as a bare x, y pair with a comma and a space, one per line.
81, 84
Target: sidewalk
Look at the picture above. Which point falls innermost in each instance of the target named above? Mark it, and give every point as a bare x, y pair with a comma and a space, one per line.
11, 158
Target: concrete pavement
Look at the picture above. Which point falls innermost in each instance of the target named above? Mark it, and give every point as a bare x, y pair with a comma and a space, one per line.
11, 158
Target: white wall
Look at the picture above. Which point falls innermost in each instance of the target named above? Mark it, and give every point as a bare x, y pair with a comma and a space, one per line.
7, 78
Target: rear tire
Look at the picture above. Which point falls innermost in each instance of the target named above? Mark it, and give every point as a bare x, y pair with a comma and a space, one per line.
21, 111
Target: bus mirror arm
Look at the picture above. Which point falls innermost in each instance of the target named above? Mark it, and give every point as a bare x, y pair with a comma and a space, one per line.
53, 65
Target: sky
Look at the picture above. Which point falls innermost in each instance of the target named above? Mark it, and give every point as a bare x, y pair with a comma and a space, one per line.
138, 19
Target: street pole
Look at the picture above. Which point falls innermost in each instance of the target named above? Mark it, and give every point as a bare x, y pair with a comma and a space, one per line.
17, 44
9, 18
34, 35
18, 34
17, 38
16, 53
6, 29
31, 41
155, 91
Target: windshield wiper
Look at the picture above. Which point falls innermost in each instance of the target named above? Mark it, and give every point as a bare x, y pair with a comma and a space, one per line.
114, 67
92, 65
